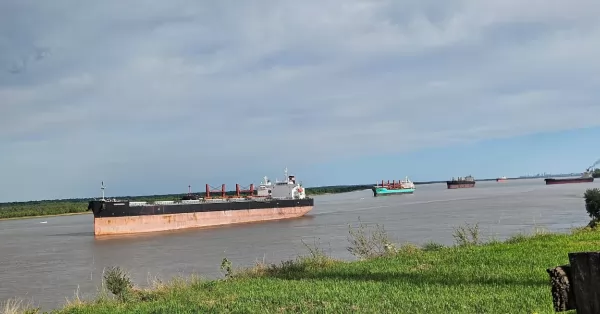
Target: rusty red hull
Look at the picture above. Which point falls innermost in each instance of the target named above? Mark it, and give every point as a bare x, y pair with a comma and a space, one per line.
120, 217
153, 223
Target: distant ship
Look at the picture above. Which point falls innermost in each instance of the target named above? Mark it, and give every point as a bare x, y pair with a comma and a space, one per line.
461, 183
271, 201
501, 179
585, 177
394, 188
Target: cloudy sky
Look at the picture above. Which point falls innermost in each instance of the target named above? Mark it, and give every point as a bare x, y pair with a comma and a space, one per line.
151, 96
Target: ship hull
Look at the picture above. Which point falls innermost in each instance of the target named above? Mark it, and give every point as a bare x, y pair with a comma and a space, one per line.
120, 218
551, 181
386, 192
501, 180
459, 185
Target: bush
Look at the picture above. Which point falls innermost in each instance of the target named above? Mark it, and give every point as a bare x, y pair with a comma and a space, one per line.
316, 259
592, 203
118, 283
367, 244
432, 246
226, 267
467, 235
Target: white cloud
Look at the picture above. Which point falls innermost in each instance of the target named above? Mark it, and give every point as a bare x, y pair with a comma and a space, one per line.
182, 90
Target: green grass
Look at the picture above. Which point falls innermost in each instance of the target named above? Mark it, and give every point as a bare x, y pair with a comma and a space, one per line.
498, 277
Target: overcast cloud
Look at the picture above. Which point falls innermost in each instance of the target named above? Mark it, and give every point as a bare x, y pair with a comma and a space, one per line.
151, 94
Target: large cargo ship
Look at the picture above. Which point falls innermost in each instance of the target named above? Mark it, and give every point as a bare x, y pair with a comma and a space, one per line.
501, 179
270, 201
461, 183
394, 188
585, 177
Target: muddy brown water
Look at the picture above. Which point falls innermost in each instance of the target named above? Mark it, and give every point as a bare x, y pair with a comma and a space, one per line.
48, 259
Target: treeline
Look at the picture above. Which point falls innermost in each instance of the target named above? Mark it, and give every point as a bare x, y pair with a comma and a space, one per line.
79, 205
320, 190
42, 208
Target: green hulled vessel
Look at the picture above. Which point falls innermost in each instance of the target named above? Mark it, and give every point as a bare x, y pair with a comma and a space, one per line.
394, 188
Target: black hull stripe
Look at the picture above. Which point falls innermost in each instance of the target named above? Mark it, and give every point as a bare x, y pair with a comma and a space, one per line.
103, 209
570, 180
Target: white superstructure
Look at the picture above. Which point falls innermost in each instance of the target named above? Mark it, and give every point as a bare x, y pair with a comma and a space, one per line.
407, 184
288, 188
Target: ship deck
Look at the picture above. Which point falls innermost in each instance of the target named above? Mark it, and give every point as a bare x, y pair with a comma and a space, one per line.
126, 208
203, 201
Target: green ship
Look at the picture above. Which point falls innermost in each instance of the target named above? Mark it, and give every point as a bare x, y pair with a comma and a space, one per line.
394, 188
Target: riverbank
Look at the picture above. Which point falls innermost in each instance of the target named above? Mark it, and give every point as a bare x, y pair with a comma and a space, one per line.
44, 216
37, 209
471, 277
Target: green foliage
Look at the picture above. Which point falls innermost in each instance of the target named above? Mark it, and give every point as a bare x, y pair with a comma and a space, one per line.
489, 278
517, 238
118, 283
368, 243
596, 173
226, 267
592, 203
41, 208
432, 246
467, 235
314, 260
336, 189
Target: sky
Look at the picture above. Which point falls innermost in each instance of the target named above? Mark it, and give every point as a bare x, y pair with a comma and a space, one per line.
150, 96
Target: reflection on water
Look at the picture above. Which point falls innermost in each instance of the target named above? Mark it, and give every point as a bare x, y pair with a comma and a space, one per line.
48, 262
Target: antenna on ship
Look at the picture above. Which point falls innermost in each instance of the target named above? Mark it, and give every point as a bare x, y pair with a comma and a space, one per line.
102, 188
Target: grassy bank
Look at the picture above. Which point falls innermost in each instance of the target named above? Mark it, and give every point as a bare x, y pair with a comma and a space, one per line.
74, 206
471, 277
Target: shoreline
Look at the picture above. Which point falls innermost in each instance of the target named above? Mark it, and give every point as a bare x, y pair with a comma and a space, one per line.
42, 216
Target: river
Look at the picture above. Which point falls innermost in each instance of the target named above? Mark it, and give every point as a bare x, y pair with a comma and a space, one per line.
47, 259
